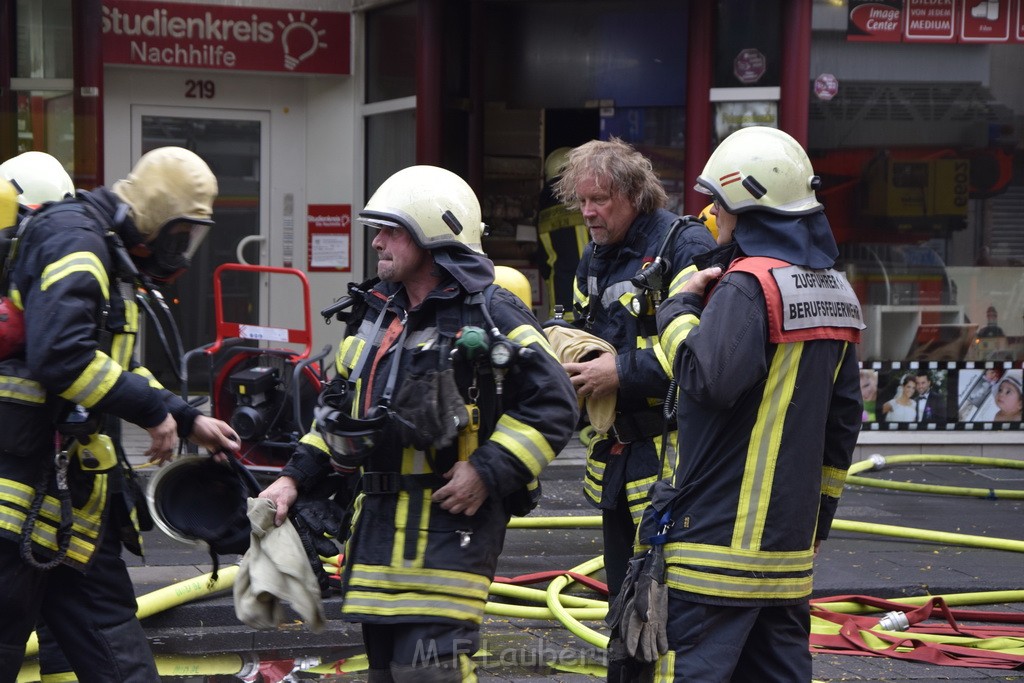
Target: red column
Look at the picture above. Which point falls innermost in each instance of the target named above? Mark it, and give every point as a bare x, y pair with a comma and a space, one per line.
87, 96
475, 145
699, 72
8, 105
429, 36
796, 67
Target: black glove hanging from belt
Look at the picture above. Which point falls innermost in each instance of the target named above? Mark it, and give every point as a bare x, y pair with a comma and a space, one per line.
429, 407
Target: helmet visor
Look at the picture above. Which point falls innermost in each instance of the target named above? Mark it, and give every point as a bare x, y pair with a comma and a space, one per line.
173, 249
187, 235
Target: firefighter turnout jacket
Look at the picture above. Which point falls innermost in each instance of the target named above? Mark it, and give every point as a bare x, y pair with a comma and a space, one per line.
407, 559
81, 323
609, 306
769, 412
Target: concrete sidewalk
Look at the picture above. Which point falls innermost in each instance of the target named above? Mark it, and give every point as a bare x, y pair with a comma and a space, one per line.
850, 562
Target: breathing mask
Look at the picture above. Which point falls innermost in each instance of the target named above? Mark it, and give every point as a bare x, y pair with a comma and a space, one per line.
169, 196
172, 250
349, 440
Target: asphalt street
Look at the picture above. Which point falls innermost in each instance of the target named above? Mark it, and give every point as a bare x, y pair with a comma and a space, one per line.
851, 562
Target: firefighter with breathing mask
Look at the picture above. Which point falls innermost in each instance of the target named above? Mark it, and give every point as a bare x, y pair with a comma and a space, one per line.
72, 499
447, 405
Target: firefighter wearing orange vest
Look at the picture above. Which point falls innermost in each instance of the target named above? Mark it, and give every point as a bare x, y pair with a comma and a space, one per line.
770, 406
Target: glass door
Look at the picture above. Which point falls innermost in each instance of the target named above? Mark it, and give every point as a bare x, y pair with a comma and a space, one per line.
234, 144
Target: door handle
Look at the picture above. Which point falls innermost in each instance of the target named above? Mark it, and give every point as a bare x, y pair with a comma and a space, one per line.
242, 243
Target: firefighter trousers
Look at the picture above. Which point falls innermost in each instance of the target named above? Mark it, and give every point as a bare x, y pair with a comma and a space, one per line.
720, 643
91, 615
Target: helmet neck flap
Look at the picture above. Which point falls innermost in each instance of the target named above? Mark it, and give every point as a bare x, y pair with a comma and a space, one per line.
800, 240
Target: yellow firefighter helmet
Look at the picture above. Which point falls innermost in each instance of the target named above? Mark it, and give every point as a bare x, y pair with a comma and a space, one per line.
515, 282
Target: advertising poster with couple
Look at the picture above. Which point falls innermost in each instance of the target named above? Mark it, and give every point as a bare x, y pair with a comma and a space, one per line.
964, 395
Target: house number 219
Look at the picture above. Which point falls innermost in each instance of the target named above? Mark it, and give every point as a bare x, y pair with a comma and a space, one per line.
203, 90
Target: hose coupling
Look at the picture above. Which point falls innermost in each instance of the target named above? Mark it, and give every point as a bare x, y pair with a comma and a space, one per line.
877, 461
894, 621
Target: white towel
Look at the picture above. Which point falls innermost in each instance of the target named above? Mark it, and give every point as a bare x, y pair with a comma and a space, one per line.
275, 568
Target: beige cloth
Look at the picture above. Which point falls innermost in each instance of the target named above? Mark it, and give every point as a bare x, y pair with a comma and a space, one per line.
275, 568
573, 345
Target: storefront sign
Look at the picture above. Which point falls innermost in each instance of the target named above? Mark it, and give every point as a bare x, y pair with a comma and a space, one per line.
179, 35
931, 21
731, 116
936, 21
875, 20
330, 237
986, 21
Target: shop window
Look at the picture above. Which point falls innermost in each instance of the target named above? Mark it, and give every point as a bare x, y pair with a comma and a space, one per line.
921, 152
544, 54
391, 52
45, 121
43, 39
747, 44
42, 79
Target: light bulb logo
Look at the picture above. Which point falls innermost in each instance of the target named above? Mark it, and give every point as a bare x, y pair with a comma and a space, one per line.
300, 39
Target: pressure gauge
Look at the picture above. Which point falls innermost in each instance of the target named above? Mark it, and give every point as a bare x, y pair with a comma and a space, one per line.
501, 354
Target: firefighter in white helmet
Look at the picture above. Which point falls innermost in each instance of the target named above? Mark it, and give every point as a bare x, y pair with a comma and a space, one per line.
72, 505
448, 404
770, 402
39, 178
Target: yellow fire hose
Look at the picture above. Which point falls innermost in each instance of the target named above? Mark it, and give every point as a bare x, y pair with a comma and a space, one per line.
572, 610
877, 462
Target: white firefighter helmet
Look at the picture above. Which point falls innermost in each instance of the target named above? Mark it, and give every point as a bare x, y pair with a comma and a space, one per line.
39, 177
555, 162
437, 207
761, 168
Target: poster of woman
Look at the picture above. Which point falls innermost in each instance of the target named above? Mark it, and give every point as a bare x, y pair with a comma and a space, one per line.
1008, 397
899, 396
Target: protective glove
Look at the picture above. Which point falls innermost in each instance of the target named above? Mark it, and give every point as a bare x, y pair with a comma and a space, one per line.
644, 622
624, 600
319, 522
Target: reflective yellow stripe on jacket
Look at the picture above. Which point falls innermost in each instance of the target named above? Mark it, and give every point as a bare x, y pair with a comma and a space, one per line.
386, 591
16, 499
22, 390
524, 442
756, 573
